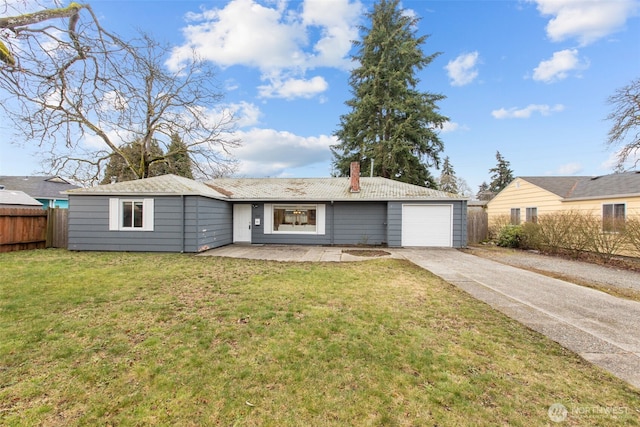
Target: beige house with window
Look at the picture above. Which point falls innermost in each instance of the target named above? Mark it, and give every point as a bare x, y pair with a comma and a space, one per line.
615, 196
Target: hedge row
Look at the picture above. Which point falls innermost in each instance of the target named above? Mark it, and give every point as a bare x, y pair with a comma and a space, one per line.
571, 232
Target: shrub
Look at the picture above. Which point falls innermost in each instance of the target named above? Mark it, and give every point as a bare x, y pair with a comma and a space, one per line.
496, 224
632, 231
604, 244
569, 232
530, 236
510, 236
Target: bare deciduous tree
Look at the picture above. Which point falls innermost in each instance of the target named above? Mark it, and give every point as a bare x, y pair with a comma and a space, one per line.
82, 94
625, 116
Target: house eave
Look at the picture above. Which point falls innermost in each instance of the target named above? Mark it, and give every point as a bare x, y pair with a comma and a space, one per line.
604, 197
144, 194
341, 199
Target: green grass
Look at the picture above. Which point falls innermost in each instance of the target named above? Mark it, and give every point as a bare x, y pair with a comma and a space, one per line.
144, 339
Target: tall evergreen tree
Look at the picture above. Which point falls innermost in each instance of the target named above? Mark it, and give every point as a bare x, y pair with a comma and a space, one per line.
177, 157
175, 161
118, 170
390, 122
483, 192
448, 181
501, 175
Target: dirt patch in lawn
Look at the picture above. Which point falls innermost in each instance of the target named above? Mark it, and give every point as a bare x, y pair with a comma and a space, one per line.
366, 252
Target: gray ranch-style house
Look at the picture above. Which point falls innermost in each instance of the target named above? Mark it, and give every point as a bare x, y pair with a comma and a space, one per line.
175, 214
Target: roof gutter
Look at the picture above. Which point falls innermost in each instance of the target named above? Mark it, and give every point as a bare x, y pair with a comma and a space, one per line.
608, 196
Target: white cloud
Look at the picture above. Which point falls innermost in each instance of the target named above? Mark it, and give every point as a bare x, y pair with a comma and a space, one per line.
586, 21
450, 127
267, 152
242, 33
93, 141
112, 101
525, 113
462, 70
245, 114
569, 169
612, 162
337, 23
559, 66
294, 88
274, 39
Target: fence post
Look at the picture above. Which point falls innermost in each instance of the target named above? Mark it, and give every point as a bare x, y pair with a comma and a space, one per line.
51, 219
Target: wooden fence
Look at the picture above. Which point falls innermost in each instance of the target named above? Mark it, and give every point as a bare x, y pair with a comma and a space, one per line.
57, 228
477, 225
24, 229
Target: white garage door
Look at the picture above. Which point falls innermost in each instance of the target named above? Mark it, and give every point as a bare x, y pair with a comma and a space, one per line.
427, 225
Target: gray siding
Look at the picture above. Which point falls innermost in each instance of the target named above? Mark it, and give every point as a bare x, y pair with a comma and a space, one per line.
394, 217
199, 224
394, 224
194, 224
258, 236
345, 224
460, 212
208, 223
360, 223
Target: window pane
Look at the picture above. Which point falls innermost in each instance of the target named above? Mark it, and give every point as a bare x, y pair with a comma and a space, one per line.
515, 216
137, 214
132, 214
294, 219
618, 211
613, 216
127, 214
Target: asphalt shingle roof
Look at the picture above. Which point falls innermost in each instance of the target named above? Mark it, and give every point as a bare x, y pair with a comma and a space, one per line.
270, 189
157, 185
39, 187
587, 187
18, 198
273, 189
559, 185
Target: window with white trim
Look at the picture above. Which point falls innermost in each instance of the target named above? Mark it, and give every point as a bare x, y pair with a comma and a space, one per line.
613, 217
294, 219
532, 215
131, 214
515, 216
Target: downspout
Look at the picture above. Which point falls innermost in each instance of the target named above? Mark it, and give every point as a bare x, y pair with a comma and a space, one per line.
183, 223
333, 228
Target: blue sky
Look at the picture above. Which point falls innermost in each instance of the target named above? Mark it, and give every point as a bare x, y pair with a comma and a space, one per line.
527, 78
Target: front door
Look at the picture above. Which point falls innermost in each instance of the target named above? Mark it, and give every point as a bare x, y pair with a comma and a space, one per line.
241, 223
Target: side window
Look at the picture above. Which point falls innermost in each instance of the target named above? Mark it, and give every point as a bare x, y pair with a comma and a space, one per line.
532, 215
515, 216
613, 217
131, 214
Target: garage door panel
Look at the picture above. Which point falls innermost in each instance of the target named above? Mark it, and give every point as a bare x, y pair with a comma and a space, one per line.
427, 225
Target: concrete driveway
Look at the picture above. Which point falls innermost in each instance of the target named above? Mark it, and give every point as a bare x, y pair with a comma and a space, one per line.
603, 329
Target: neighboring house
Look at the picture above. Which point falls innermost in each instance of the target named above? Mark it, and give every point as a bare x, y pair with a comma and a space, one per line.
17, 199
174, 214
48, 190
613, 197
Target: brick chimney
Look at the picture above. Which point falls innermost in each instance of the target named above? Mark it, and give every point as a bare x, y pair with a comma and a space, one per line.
354, 173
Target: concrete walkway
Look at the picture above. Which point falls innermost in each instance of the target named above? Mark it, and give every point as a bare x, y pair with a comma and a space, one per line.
294, 253
603, 329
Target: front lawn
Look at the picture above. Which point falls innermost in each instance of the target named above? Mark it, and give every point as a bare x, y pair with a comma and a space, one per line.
146, 339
